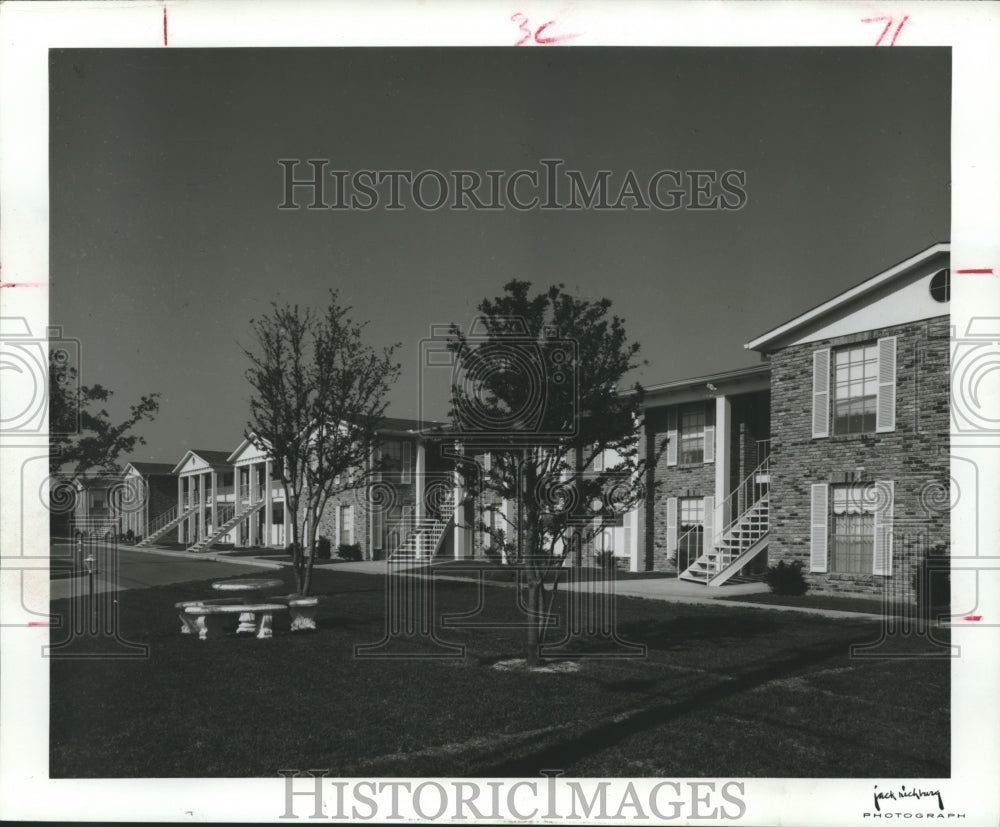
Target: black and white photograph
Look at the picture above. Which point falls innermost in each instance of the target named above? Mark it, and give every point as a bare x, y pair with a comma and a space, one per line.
568, 422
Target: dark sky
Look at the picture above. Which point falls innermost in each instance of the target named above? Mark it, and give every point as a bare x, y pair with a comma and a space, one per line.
164, 184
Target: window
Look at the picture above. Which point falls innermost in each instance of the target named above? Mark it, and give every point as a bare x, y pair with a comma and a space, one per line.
855, 389
852, 530
691, 530
396, 460
692, 434
941, 286
346, 525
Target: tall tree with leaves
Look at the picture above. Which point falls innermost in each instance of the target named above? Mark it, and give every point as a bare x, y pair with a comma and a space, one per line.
83, 437
318, 394
541, 392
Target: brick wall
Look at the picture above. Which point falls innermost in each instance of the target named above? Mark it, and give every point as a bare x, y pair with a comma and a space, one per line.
697, 480
915, 456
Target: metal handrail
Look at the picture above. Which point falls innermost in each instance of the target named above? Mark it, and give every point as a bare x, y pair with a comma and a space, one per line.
406, 525
746, 496
163, 519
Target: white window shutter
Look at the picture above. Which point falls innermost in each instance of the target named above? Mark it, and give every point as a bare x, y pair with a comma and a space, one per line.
821, 393
406, 457
627, 535
671, 526
709, 523
885, 401
710, 432
883, 527
672, 436
819, 531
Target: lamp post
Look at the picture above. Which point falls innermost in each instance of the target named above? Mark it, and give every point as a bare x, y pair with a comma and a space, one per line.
89, 562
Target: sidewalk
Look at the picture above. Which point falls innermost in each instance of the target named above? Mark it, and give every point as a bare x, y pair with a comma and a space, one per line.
669, 590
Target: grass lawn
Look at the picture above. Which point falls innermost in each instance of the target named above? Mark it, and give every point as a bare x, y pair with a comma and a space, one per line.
868, 605
508, 574
722, 691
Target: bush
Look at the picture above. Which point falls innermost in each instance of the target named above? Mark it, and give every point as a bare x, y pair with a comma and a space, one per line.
130, 537
605, 560
351, 552
291, 548
931, 579
493, 554
323, 548
786, 578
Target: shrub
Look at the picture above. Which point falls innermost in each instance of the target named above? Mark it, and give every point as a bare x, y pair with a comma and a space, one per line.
350, 551
291, 548
605, 560
493, 554
786, 578
931, 579
130, 537
323, 548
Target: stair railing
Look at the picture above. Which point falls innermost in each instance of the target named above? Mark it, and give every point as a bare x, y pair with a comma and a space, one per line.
740, 502
162, 520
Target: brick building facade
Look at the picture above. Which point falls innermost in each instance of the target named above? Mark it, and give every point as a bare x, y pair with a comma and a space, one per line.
860, 430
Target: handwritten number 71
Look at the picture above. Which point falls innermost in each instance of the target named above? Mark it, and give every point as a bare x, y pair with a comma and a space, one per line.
888, 25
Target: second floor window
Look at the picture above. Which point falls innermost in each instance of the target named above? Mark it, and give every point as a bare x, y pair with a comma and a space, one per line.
855, 389
692, 434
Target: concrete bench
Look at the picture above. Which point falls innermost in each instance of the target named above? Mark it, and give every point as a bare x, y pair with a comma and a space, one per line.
209, 618
188, 626
301, 610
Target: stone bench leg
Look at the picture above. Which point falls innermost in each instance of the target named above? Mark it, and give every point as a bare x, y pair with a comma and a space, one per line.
189, 624
264, 625
208, 626
303, 618
248, 624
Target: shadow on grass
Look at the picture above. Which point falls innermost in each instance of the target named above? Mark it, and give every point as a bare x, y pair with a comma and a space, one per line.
566, 751
689, 632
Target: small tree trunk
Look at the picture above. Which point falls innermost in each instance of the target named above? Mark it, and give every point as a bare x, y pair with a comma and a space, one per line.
534, 621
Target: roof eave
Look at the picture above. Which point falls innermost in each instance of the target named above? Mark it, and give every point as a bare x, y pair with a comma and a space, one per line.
856, 292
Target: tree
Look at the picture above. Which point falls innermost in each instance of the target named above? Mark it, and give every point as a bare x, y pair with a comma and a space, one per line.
540, 391
83, 439
318, 394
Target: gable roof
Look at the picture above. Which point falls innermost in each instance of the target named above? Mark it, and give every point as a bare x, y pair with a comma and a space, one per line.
216, 459
765, 341
151, 469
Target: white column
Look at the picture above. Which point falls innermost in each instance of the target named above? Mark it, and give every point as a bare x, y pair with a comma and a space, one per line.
180, 508
634, 540
421, 469
215, 502
723, 463
269, 500
201, 506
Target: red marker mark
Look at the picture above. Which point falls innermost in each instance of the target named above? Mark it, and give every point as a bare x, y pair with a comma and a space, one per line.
527, 34
38, 623
980, 271
973, 617
164, 25
888, 25
21, 284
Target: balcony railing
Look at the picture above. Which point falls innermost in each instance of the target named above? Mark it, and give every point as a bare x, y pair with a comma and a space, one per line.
763, 450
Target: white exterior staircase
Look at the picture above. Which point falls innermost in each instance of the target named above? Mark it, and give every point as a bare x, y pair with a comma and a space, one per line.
162, 524
423, 537
226, 526
742, 539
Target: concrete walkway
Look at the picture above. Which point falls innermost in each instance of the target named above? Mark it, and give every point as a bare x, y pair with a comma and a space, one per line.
667, 589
